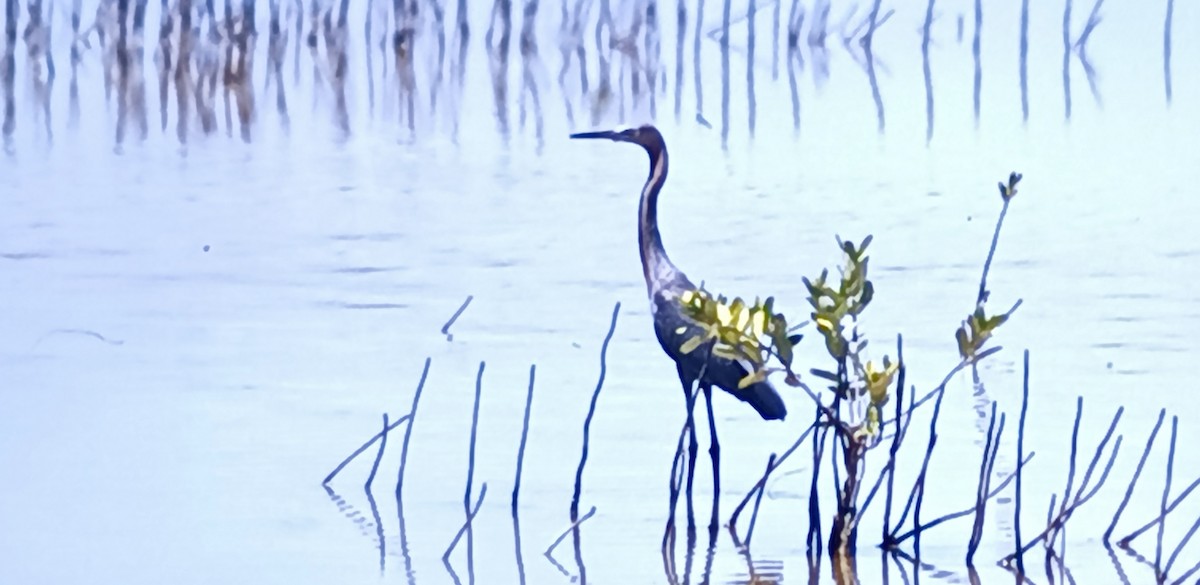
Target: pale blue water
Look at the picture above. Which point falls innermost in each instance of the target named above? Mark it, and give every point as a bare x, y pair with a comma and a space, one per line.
188, 444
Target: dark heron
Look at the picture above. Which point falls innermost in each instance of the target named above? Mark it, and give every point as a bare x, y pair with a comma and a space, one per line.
665, 283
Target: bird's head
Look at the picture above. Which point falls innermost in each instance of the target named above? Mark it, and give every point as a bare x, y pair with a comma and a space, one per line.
646, 135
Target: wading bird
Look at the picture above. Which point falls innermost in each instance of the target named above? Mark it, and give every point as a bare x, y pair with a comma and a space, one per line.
665, 283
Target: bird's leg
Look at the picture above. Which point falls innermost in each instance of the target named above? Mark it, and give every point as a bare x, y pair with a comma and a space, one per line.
693, 446
714, 450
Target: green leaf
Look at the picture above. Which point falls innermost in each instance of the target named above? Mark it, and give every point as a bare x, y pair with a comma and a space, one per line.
691, 344
751, 378
726, 352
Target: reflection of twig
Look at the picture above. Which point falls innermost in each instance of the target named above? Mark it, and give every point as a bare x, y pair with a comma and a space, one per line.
371, 498
1167, 53
927, 72
1093, 20
465, 528
1066, 74
377, 436
1024, 60
975, 50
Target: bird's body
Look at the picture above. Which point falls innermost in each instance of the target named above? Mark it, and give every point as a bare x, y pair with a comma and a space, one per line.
665, 283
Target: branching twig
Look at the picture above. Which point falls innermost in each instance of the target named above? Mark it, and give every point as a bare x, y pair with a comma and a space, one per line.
364, 447
466, 525
1124, 542
1081, 496
956, 515
762, 482
1136, 475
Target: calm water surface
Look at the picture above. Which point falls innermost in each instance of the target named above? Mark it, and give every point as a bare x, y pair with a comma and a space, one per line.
194, 337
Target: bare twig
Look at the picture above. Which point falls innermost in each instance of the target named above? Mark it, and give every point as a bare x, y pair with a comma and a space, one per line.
1020, 455
471, 469
762, 482
471, 512
917, 492
561, 537
758, 501
587, 422
454, 317
1158, 549
967, 511
367, 445
524, 439
1179, 547
378, 456
1124, 542
412, 415
990, 449
1082, 495
1136, 475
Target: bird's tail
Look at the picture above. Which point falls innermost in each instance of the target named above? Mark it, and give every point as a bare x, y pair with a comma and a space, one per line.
763, 397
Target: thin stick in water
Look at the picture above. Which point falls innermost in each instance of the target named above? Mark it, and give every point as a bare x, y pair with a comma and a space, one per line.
524, 440
378, 456
561, 537
362, 448
1020, 456
1136, 475
1158, 548
471, 512
587, 422
412, 416
758, 501
454, 317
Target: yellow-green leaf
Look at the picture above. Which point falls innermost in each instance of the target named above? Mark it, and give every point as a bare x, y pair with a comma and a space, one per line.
691, 344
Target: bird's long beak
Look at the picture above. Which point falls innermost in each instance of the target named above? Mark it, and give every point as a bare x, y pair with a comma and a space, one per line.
609, 134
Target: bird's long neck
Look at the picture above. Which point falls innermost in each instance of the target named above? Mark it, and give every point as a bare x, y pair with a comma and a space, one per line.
656, 266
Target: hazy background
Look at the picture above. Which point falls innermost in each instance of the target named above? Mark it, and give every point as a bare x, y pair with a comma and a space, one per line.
197, 331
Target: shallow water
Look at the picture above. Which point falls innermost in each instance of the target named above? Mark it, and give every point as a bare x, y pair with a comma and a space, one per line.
194, 336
